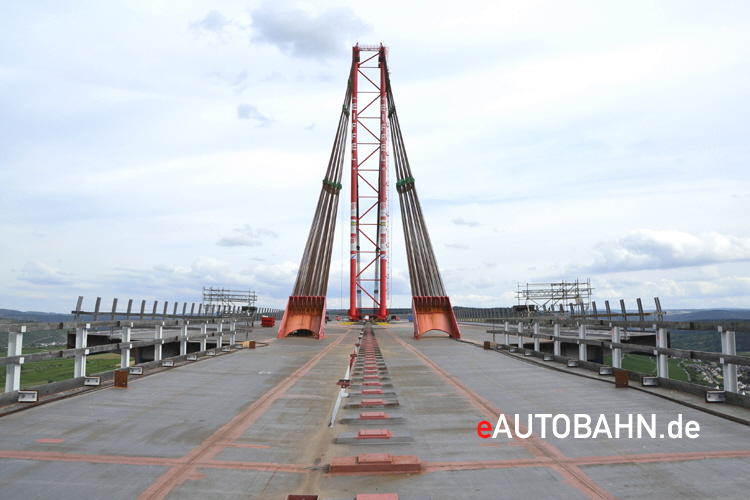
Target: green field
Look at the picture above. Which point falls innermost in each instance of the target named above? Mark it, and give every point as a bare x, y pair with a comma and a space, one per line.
647, 365
54, 370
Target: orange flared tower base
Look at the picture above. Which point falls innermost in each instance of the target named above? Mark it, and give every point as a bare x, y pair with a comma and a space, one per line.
434, 313
304, 315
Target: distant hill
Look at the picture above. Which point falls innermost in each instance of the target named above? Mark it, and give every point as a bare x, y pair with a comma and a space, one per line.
709, 315
40, 317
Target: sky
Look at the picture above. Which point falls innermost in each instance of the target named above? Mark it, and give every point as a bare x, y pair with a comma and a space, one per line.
150, 148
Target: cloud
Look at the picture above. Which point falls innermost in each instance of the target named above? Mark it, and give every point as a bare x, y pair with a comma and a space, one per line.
39, 273
302, 34
246, 236
460, 221
667, 249
214, 22
246, 112
458, 246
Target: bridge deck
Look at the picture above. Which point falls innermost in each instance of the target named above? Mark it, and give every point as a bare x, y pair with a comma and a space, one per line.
254, 424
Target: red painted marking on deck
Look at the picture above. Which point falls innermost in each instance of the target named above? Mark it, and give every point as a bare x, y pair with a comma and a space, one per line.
230, 431
49, 441
300, 396
244, 445
541, 450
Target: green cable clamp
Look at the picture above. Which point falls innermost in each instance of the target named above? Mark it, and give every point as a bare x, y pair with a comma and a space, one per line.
336, 185
405, 181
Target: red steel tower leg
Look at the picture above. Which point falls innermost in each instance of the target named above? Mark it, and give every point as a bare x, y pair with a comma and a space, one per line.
368, 266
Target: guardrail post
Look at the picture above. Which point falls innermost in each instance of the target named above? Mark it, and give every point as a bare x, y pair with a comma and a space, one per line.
616, 351
556, 343
219, 334
79, 370
519, 339
13, 371
204, 330
158, 334
536, 339
662, 367
184, 339
729, 346
125, 351
507, 336
581, 346
232, 332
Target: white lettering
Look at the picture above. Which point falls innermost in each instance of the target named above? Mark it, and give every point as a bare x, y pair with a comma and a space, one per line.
567, 426
579, 426
504, 429
628, 426
543, 417
517, 424
642, 424
602, 423
678, 423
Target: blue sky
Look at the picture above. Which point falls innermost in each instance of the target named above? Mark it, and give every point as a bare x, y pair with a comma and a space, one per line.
150, 148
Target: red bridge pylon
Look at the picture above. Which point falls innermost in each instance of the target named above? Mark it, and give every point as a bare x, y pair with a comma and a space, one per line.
370, 98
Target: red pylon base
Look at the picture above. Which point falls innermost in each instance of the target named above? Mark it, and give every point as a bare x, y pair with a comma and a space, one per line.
434, 313
304, 315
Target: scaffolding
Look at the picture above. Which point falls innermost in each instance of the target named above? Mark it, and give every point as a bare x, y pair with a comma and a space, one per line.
564, 297
226, 298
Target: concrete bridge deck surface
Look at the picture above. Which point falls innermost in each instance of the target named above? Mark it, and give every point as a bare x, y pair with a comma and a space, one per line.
254, 424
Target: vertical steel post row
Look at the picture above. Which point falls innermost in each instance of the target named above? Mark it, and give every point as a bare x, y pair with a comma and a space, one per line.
204, 329
662, 367
556, 337
219, 335
616, 351
158, 334
184, 339
536, 338
125, 346
507, 333
581, 346
13, 371
232, 332
729, 346
79, 370
519, 339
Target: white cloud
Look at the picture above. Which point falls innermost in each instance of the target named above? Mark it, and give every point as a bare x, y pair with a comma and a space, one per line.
295, 31
667, 249
460, 221
214, 21
246, 236
246, 112
457, 246
39, 273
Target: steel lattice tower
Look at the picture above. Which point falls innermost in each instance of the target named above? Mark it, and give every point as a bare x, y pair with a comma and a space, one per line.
368, 279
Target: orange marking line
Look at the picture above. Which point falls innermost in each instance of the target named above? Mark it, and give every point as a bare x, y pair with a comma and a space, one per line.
241, 445
56, 456
49, 441
229, 432
299, 396
542, 450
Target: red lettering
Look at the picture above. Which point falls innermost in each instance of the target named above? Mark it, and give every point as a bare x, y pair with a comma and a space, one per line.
483, 429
